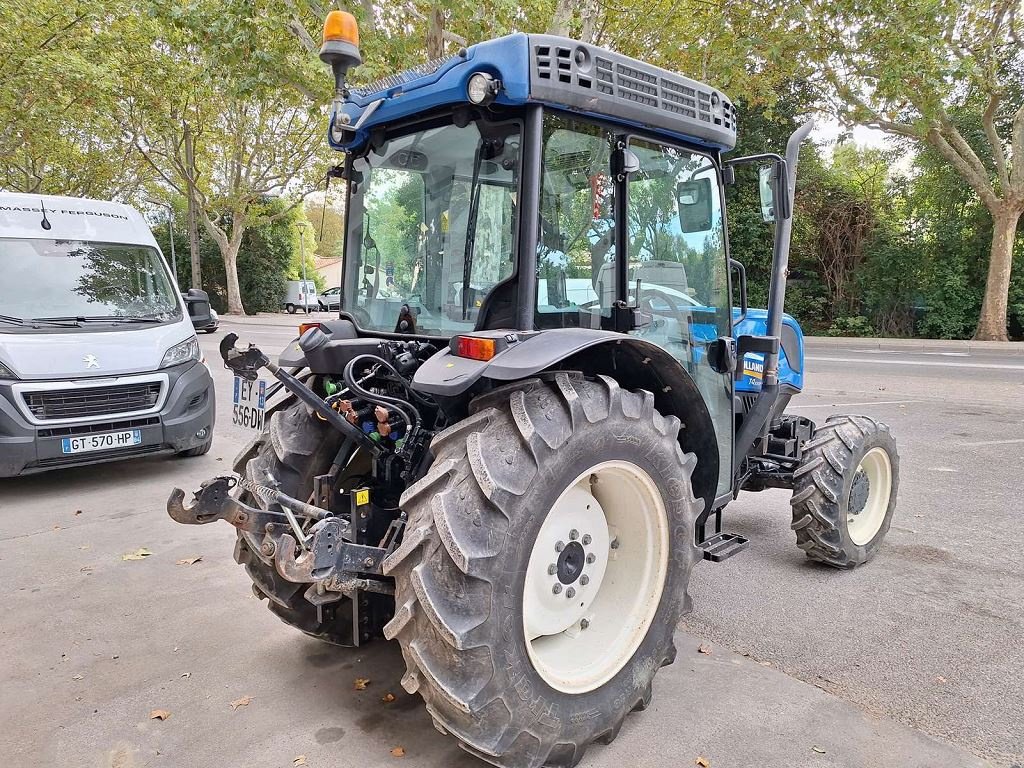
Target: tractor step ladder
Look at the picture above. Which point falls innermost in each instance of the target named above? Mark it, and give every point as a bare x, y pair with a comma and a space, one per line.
718, 546
722, 546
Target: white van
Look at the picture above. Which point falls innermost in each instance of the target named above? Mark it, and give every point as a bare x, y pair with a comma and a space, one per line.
98, 358
300, 295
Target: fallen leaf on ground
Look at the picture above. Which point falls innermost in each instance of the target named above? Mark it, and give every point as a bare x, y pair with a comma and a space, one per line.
86, 546
139, 554
78, 511
300, 760
159, 714
76, 677
189, 560
186, 674
704, 649
398, 752
361, 683
388, 698
86, 568
56, 527
703, 762
242, 702
817, 749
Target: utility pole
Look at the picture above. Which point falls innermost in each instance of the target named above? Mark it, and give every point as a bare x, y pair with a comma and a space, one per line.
193, 222
170, 228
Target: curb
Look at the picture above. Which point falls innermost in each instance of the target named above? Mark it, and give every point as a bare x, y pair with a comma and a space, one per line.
920, 345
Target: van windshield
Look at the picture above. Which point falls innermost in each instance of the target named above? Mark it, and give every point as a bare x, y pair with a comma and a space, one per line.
74, 280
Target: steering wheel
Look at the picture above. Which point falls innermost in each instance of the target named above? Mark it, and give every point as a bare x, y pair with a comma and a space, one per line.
682, 319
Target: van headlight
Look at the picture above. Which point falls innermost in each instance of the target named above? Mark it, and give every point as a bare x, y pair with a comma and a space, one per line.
184, 352
6, 373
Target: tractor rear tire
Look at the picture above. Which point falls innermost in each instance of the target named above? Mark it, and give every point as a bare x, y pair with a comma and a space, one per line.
464, 570
845, 489
293, 449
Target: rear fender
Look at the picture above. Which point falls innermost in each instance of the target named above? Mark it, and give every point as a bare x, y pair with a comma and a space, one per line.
631, 361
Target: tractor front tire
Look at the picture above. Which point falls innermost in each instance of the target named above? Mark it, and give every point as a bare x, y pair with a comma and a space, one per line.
294, 449
544, 568
844, 493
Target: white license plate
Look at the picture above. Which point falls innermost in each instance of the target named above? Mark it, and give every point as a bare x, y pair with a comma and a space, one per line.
249, 400
103, 442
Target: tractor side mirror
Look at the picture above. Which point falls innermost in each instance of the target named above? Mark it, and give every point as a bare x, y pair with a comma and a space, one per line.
764, 187
695, 205
774, 191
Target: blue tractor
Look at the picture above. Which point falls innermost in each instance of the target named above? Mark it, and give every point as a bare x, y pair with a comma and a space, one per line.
517, 439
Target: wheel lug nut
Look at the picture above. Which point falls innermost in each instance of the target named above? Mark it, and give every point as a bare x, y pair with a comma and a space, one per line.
570, 593
584, 623
574, 534
552, 569
614, 544
557, 588
584, 580
591, 557
559, 546
586, 538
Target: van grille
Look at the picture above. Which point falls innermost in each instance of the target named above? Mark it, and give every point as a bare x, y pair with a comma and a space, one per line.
97, 401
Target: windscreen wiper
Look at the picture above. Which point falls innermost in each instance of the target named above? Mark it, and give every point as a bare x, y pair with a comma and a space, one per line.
96, 319
122, 319
12, 320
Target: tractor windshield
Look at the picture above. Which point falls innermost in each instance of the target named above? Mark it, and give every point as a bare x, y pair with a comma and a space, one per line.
432, 218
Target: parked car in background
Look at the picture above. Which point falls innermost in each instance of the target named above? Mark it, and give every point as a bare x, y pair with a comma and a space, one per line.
204, 317
300, 295
98, 357
330, 299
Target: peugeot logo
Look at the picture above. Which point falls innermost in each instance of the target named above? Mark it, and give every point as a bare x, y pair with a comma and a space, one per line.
91, 361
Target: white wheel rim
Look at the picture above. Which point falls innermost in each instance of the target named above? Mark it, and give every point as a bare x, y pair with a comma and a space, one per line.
595, 576
864, 524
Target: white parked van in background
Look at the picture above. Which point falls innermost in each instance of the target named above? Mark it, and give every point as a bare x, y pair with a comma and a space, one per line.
98, 358
300, 295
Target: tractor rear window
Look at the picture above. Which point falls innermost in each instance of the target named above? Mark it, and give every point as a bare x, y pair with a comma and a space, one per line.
433, 227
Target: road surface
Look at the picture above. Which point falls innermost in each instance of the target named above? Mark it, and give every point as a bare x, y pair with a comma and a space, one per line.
914, 660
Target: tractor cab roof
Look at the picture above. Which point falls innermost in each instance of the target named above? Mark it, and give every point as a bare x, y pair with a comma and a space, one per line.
549, 70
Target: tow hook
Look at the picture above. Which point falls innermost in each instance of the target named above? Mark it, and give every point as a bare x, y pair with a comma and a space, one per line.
322, 552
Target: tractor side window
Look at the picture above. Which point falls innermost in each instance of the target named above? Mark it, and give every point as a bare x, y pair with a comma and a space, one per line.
575, 252
675, 243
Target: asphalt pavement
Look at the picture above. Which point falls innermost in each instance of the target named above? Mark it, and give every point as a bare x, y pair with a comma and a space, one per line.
913, 660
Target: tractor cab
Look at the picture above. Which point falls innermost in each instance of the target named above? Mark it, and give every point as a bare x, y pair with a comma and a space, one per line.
536, 183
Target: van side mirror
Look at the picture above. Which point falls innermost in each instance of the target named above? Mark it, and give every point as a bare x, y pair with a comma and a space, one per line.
695, 205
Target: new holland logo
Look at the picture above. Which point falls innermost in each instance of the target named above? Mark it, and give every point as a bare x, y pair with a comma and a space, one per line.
91, 361
753, 368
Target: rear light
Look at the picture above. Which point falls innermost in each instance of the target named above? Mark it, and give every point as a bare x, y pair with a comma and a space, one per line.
474, 348
306, 326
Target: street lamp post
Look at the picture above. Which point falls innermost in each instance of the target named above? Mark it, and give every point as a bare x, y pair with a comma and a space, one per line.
170, 229
302, 257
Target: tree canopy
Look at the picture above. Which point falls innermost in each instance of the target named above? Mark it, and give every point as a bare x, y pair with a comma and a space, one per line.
220, 107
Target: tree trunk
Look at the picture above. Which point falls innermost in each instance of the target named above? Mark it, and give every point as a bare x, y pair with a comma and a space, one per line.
992, 321
231, 269
435, 32
193, 222
561, 18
